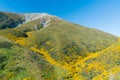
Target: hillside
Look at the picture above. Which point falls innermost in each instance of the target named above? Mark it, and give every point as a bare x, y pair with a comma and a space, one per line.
19, 63
65, 38
16, 59
45, 47
103, 65
9, 20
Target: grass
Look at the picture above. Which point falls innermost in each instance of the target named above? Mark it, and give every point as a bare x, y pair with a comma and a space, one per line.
68, 39
83, 53
17, 63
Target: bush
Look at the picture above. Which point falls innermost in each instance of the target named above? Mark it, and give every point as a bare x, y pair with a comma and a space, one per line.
5, 45
72, 49
3, 59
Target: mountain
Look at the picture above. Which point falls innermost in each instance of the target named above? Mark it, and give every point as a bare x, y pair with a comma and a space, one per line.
67, 39
11, 20
55, 49
33, 16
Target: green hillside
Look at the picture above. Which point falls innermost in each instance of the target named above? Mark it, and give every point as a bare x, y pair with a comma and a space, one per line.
66, 39
19, 63
58, 51
104, 65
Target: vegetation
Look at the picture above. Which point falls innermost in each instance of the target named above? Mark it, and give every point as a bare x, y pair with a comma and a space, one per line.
18, 63
9, 20
67, 39
59, 51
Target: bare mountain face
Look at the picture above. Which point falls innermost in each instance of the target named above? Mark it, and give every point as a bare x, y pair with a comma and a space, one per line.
33, 16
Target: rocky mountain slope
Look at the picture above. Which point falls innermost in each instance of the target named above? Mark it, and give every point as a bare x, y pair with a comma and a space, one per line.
33, 16
11, 20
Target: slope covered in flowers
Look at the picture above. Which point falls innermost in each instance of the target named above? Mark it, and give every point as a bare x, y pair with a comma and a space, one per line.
101, 65
60, 51
104, 65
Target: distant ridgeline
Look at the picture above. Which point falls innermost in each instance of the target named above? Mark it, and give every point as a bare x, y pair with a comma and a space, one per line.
8, 20
11, 20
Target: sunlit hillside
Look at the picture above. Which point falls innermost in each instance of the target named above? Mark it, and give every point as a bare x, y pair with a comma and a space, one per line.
103, 65
56, 50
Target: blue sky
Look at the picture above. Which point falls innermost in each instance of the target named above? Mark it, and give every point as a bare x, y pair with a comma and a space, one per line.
100, 14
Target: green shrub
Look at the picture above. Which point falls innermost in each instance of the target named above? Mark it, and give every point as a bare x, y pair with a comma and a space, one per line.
5, 45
